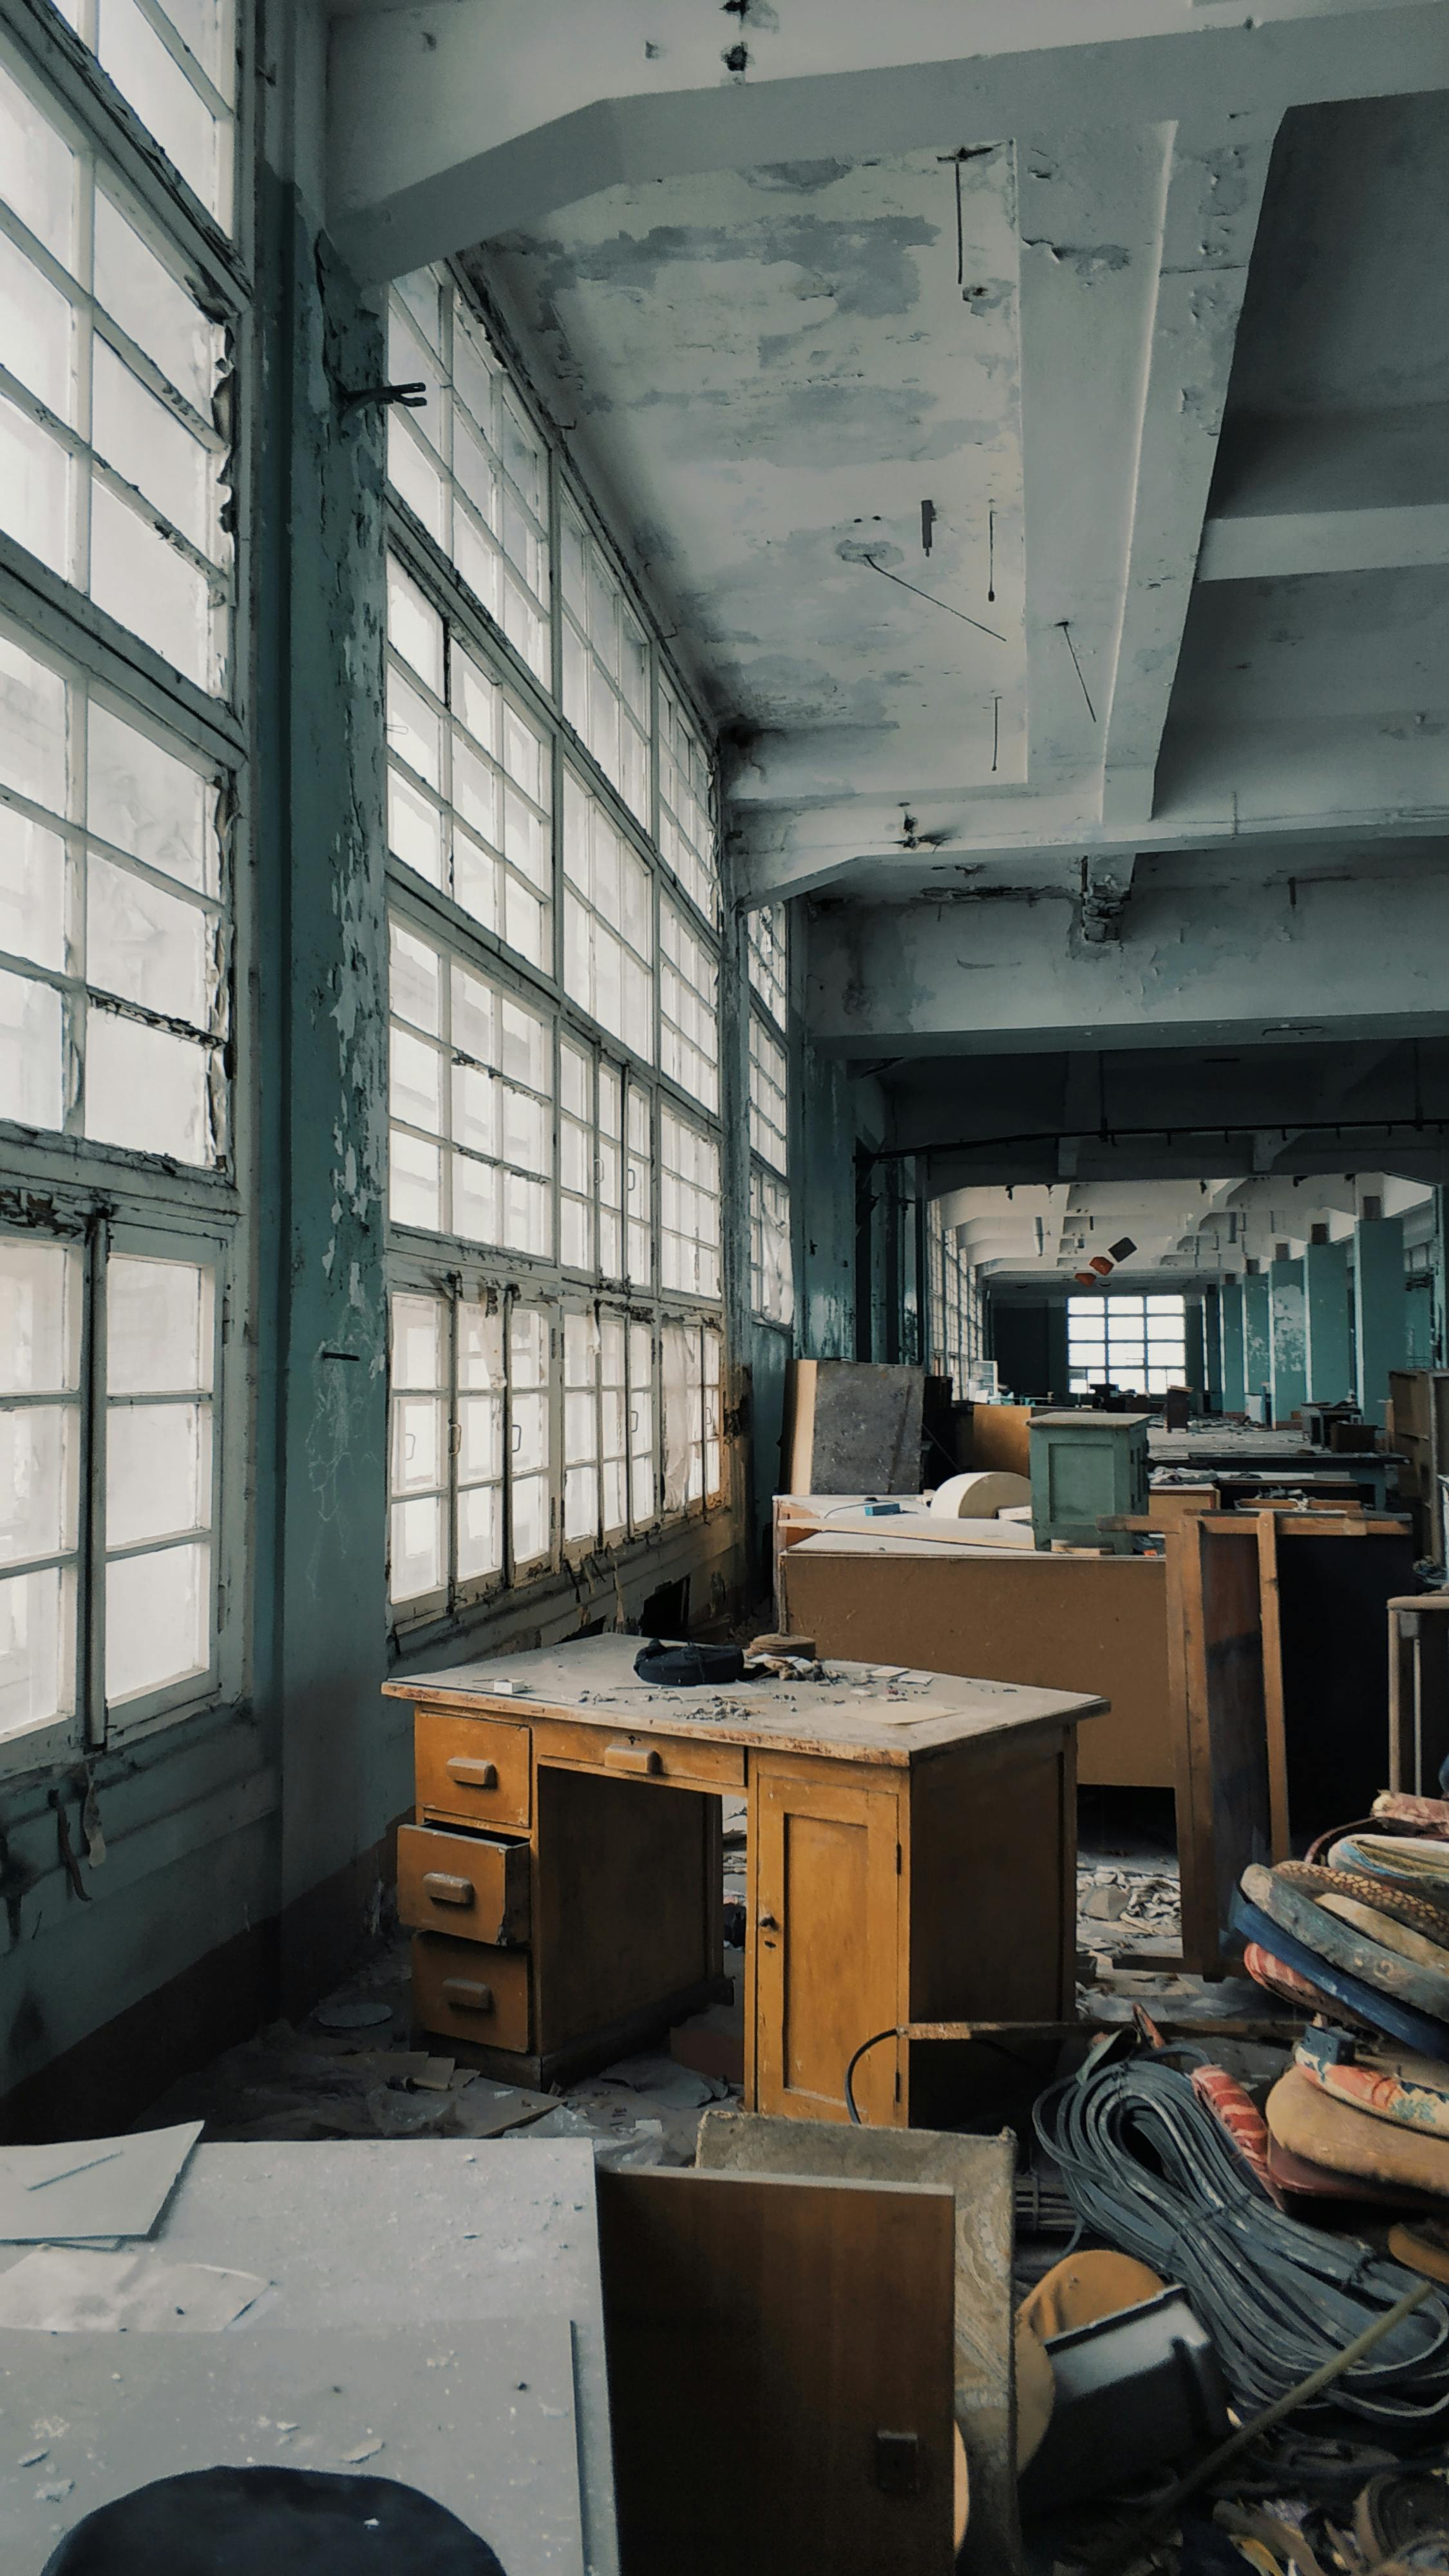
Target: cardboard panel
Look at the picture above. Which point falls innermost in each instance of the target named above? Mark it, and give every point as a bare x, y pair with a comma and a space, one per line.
1094, 1624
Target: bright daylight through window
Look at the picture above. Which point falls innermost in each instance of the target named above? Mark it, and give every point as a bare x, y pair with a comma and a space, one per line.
1134, 1342
121, 762
555, 1192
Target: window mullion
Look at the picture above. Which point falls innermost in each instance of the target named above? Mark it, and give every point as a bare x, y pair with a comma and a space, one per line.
91, 1569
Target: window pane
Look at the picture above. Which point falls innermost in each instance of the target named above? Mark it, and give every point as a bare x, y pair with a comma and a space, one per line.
34, 483
37, 1482
417, 1341
158, 1471
31, 1060
169, 107
149, 803
417, 1548
157, 1620
38, 169
40, 1318
147, 1089
37, 1650
159, 1330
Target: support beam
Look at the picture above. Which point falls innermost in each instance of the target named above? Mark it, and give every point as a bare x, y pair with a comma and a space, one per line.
1329, 1347
1296, 542
1257, 1339
1380, 1322
1289, 1380
1212, 1324
1203, 953
1212, 196
492, 121
1234, 1379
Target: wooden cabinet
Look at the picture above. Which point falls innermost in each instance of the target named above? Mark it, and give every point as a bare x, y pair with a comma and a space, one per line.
828, 1891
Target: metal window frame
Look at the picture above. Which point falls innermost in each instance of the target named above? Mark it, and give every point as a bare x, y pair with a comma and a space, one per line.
68, 1187
98, 1235
645, 1092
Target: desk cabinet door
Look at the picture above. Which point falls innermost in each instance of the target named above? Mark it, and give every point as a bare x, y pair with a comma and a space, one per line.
826, 1945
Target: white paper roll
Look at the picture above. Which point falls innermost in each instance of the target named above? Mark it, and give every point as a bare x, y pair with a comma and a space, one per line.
979, 1495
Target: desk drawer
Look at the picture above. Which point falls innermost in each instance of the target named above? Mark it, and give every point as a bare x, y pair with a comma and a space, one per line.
462, 1990
678, 1762
472, 1768
463, 1884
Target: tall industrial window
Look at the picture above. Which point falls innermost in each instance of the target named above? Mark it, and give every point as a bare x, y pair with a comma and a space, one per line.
953, 1304
1131, 1342
124, 371
555, 1194
772, 1285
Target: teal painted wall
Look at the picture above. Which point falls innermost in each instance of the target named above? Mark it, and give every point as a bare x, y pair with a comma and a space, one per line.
1231, 1309
1288, 1353
1326, 1320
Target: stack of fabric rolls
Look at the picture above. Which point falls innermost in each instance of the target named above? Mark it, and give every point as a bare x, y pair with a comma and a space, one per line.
1358, 1934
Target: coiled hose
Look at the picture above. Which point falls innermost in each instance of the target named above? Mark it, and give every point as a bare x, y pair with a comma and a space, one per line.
1147, 2168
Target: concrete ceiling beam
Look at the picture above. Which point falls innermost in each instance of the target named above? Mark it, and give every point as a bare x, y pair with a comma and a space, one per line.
452, 123
1276, 962
1297, 542
1212, 194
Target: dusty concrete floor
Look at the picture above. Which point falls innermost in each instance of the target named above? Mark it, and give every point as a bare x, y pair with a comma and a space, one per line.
352, 2068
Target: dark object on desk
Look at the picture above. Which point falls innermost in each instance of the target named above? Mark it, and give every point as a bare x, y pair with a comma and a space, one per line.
688, 1667
1134, 2391
272, 2522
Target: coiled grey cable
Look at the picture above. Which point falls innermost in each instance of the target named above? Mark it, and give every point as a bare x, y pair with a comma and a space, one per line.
1147, 2168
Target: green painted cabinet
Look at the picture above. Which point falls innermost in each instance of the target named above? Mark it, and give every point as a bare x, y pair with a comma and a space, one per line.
1084, 1468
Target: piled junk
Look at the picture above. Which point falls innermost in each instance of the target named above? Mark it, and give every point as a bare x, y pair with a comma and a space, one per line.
1270, 2327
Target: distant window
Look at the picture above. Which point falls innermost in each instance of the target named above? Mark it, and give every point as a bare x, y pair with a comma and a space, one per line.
1126, 1341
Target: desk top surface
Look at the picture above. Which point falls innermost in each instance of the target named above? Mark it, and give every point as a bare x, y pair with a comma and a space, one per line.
883, 1713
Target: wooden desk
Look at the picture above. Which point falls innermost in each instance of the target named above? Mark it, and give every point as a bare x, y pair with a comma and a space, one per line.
898, 1871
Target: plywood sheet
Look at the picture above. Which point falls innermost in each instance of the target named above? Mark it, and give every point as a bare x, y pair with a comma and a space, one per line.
853, 1426
480, 2417
91, 2187
1095, 1624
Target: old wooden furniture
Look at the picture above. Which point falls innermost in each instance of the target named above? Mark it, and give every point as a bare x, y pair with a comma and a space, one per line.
912, 1852
1058, 1622
1418, 1692
1086, 1467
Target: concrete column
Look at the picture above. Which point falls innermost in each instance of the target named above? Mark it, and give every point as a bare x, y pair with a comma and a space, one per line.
1288, 1354
1329, 1351
1212, 1336
1194, 1372
1379, 1319
1257, 1344
1230, 1306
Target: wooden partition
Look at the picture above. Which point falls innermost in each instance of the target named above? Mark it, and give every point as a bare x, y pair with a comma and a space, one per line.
1085, 1623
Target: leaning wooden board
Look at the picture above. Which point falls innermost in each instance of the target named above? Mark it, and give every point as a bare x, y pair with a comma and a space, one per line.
1085, 1623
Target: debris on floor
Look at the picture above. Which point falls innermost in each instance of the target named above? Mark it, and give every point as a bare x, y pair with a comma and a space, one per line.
348, 2071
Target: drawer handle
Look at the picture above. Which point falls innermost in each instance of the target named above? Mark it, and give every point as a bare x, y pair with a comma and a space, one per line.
464, 1996
473, 1775
634, 1757
444, 1889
